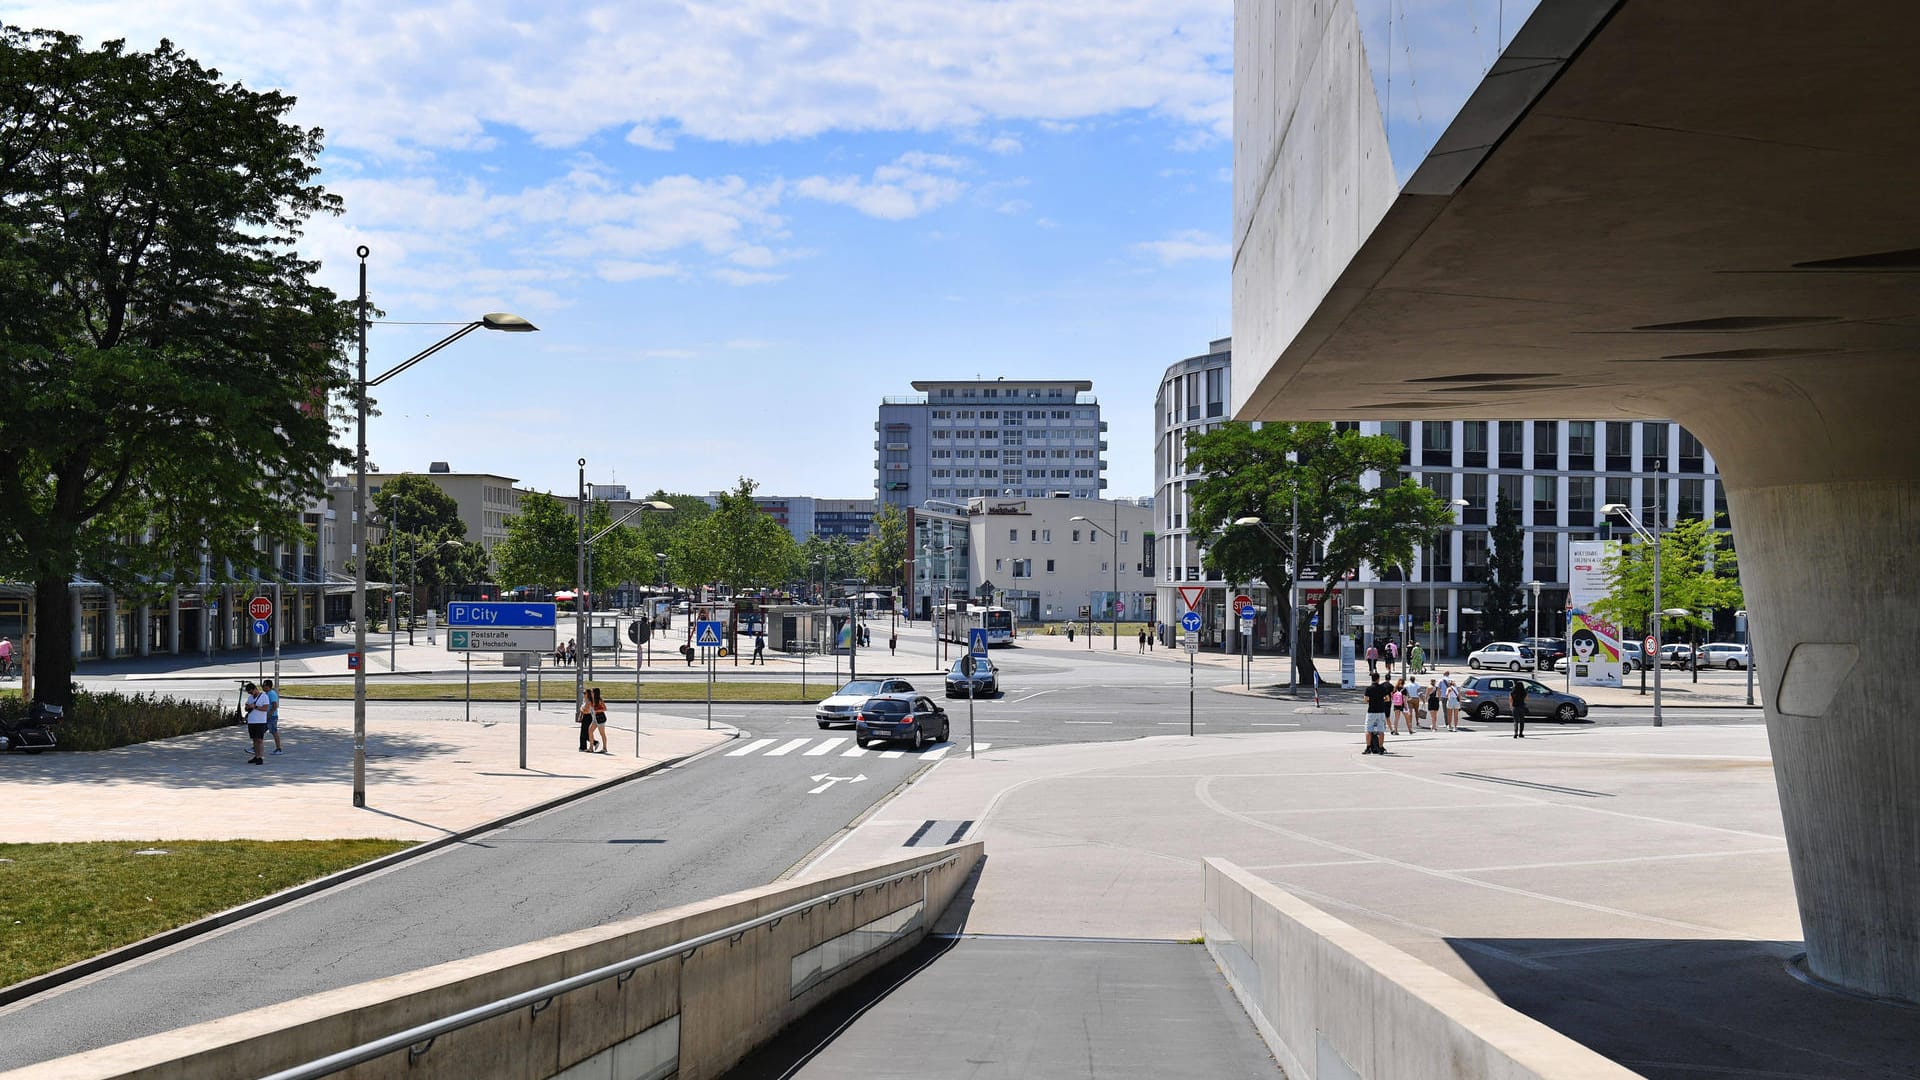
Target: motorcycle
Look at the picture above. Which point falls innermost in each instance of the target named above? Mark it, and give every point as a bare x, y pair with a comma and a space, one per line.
33, 732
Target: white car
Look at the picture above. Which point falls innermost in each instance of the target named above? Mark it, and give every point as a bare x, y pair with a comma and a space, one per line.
844, 706
1726, 654
1501, 654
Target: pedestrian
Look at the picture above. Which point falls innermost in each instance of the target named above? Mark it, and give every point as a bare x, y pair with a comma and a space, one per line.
257, 709
1433, 705
6, 657
1519, 701
1378, 701
1416, 704
1069, 633
1373, 661
1418, 657
1142, 636
893, 642
759, 647
273, 712
586, 721
1450, 699
1399, 702
1154, 633
1393, 653
599, 740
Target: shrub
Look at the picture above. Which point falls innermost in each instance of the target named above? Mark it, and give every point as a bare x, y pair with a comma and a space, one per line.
102, 721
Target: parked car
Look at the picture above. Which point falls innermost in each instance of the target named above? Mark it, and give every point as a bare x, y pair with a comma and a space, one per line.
1676, 655
1550, 651
1486, 697
912, 718
986, 679
1511, 655
846, 701
1727, 654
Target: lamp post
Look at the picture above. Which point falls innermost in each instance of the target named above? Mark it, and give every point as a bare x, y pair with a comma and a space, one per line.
946, 604
1535, 586
1746, 638
1113, 601
501, 321
1652, 538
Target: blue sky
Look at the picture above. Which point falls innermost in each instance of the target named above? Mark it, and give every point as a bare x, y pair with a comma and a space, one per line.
740, 225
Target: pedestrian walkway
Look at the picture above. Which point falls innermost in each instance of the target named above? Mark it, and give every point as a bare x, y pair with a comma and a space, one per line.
429, 774
1627, 886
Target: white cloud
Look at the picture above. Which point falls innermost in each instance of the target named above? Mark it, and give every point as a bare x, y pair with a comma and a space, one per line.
744, 277
400, 79
1187, 245
612, 270
908, 187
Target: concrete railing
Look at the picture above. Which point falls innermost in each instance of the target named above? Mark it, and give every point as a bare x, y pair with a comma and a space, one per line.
1334, 1003
685, 992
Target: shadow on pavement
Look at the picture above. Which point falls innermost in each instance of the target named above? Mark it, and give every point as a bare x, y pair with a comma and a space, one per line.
1682, 1009
217, 759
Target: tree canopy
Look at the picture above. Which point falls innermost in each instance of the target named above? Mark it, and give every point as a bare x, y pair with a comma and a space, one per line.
1505, 566
1699, 572
169, 363
542, 545
737, 545
883, 554
1251, 472
420, 536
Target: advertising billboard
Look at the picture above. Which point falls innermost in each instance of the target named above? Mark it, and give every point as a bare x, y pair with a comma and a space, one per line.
1593, 643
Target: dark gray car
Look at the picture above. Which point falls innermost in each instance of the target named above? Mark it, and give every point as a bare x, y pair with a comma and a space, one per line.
1487, 697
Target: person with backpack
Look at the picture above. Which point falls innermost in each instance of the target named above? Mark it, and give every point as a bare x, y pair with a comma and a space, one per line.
1379, 698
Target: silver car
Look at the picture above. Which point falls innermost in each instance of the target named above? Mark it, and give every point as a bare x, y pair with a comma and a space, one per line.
1488, 697
1726, 654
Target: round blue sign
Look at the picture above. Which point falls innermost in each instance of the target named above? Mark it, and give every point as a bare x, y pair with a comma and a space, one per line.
1190, 622
262, 627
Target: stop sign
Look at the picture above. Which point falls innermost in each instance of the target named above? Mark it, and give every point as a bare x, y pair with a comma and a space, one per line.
260, 608
1241, 601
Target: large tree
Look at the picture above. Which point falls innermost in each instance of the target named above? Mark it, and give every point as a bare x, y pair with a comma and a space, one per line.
542, 545
1506, 602
884, 551
421, 538
1260, 472
1699, 573
168, 362
737, 545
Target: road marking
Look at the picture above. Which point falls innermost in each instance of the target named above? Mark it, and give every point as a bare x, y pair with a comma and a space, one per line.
789, 747
855, 752
937, 752
826, 746
1088, 721
757, 744
891, 753
1295, 723
832, 780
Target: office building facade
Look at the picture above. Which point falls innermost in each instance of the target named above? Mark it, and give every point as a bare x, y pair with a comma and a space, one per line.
999, 438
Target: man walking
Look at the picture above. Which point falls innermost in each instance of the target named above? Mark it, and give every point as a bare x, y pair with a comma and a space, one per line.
273, 712
760, 647
6, 657
257, 712
1142, 639
1379, 700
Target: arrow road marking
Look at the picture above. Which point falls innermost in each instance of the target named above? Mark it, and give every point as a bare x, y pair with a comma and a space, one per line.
832, 780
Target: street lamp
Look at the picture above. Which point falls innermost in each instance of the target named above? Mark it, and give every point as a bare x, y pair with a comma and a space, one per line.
1746, 637
581, 580
1113, 602
1653, 539
1535, 586
946, 603
501, 321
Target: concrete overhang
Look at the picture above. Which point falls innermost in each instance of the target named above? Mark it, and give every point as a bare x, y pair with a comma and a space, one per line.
1706, 211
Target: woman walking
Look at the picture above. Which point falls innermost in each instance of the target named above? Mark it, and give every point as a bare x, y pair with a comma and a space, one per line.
1399, 706
1433, 704
586, 721
1450, 699
599, 739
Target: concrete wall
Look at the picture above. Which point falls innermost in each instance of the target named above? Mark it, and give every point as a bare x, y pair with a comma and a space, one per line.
728, 997
1334, 1003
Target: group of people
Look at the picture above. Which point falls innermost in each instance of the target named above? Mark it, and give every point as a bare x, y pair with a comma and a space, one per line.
593, 722
261, 705
1389, 650
1146, 640
1410, 702
566, 653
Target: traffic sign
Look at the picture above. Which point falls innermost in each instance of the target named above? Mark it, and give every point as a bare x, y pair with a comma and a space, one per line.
500, 613
1247, 614
512, 639
1120, 607
1191, 595
260, 607
1241, 603
261, 627
1190, 622
707, 634
977, 643
1651, 646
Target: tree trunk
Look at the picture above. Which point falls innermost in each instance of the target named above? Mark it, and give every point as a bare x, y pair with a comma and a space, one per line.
53, 640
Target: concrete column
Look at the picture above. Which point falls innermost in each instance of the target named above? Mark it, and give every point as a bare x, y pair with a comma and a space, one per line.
110, 629
173, 622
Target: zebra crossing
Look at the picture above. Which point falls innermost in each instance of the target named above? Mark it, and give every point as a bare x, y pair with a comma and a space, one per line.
837, 745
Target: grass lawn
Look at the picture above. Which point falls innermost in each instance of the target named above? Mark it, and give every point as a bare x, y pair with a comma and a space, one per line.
66, 902
560, 689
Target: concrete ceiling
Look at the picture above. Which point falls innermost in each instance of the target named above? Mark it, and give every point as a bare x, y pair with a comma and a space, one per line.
1712, 214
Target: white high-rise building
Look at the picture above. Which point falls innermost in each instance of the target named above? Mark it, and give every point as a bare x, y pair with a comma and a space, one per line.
999, 438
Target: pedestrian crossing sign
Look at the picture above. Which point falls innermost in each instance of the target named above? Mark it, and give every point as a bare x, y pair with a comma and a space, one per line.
977, 642
706, 635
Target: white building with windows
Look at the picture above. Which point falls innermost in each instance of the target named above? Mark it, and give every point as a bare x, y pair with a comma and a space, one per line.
999, 438
1558, 473
1045, 559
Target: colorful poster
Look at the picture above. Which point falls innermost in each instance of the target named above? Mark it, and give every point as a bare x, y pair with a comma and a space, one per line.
1593, 643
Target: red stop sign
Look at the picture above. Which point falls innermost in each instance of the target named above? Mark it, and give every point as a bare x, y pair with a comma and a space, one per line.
260, 608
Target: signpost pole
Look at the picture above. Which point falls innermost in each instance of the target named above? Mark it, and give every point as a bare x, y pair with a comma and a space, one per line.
277, 623
636, 700
523, 715
970, 738
468, 659
1190, 692
710, 690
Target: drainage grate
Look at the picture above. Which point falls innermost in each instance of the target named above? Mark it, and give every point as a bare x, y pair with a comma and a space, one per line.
933, 833
1530, 784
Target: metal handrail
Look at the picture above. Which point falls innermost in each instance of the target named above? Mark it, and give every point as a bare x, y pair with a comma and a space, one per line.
541, 996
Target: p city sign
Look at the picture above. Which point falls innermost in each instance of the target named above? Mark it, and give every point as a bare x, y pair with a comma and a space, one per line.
499, 614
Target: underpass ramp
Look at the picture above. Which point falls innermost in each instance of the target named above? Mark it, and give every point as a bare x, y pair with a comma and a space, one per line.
1034, 1008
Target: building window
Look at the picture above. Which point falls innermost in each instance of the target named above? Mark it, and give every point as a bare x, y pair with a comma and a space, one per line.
1013, 536
1619, 447
1620, 490
1473, 555
1123, 536
998, 564
1510, 489
1473, 489
1546, 499
1436, 443
1653, 447
1216, 391
1049, 566
1546, 444
1693, 498
1580, 506
1693, 456
1580, 439
1511, 437
1023, 568
1546, 556
1046, 537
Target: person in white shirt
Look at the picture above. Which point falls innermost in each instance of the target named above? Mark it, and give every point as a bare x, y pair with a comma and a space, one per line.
273, 712
258, 709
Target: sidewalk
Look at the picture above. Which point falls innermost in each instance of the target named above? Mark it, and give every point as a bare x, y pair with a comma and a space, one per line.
1628, 886
429, 774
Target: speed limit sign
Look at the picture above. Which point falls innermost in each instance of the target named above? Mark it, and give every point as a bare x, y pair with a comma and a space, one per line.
1651, 646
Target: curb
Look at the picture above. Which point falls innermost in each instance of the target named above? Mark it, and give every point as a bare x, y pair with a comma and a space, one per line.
1668, 703
39, 984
